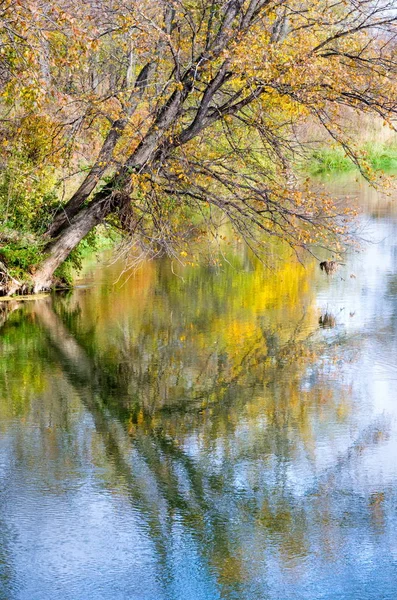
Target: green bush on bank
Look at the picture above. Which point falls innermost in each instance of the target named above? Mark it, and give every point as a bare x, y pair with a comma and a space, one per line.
29, 197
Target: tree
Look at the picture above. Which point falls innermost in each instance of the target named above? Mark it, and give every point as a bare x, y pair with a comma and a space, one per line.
180, 112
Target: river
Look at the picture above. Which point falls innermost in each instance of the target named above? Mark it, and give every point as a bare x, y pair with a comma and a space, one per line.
205, 433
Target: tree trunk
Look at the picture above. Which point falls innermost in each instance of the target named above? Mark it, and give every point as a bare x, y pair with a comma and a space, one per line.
88, 185
60, 249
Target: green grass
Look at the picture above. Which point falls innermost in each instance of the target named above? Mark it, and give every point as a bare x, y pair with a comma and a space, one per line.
381, 157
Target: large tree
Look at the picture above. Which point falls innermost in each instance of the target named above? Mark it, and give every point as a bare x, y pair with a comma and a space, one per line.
174, 112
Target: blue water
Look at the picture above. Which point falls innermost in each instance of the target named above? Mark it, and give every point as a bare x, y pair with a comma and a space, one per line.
203, 436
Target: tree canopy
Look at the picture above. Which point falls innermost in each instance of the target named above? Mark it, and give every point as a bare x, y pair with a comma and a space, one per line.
167, 118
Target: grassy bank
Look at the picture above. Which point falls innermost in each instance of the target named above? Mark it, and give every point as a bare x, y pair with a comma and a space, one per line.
381, 157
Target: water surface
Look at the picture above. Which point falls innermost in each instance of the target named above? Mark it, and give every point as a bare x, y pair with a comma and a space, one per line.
217, 434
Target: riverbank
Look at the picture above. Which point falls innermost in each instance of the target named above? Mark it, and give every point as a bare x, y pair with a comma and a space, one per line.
328, 159
21, 253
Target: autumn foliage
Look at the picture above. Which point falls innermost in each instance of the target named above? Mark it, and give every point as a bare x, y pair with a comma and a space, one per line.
167, 119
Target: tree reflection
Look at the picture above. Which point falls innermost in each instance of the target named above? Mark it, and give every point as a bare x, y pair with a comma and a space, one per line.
204, 414
181, 486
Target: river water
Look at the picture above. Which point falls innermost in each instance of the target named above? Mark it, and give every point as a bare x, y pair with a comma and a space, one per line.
211, 434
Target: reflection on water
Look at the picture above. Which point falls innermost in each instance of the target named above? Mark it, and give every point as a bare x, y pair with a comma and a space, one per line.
219, 434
